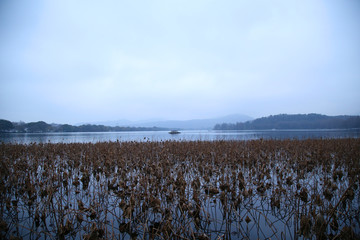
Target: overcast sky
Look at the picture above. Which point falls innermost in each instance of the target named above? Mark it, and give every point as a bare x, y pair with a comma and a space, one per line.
81, 61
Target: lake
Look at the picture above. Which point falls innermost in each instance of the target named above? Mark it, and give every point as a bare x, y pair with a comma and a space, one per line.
186, 135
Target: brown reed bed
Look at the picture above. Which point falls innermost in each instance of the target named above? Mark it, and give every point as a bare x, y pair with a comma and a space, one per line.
276, 189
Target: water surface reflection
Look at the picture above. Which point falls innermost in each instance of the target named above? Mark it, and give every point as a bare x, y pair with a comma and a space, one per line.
188, 135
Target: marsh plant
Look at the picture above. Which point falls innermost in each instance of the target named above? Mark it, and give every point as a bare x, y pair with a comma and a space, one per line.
293, 189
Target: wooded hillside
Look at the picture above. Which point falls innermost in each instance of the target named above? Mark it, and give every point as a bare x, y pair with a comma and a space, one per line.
295, 121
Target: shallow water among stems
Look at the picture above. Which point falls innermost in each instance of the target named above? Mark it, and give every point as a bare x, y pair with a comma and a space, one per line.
293, 189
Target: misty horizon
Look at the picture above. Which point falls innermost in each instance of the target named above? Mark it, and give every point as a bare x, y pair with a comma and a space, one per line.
150, 120
231, 118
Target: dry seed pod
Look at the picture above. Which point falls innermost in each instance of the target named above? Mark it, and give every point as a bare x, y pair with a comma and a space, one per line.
224, 187
241, 184
245, 193
76, 182
289, 180
15, 238
128, 212
3, 226
305, 226
92, 214
79, 217
81, 205
68, 227
43, 216
304, 195
95, 233
37, 219
124, 227
317, 200
328, 194
319, 226
347, 233
261, 189
350, 194
334, 187
275, 202
334, 224
201, 236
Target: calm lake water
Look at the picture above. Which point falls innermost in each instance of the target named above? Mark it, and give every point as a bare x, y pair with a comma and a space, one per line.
188, 135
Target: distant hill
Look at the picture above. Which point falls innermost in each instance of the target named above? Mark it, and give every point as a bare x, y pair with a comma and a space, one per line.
194, 124
41, 127
294, 121
118, 126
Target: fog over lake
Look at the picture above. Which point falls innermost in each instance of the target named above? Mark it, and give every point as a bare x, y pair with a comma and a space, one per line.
187, 135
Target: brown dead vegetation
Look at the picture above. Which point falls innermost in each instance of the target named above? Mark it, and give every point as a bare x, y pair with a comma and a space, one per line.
181, 190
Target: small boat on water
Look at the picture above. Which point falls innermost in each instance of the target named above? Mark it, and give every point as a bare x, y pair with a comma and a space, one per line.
174, 132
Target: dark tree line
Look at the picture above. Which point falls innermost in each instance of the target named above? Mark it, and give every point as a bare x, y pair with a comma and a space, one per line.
39, 127
294, 121
5, 125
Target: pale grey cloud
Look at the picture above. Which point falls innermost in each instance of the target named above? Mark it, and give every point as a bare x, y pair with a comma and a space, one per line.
76, 61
